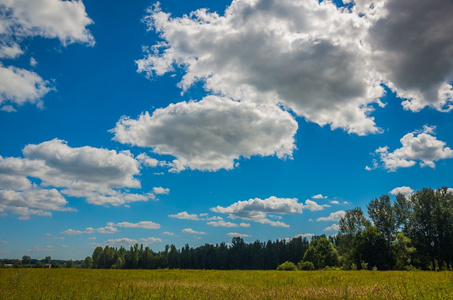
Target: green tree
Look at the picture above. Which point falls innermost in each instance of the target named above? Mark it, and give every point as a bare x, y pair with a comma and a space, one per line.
26, 260
47, 260
383, 216
321, 252
424, 233
87, 263
70, 264
96, 257
372, 250
351, 225
404, 210
17, 264
403, 251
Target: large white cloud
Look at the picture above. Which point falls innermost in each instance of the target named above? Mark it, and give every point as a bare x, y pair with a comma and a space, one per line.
325, 63
32, 202
20, 86
305, 54
420, 146
211, 134
257, 209
67, 166
21, 19
413, 49
99, 175
65, 20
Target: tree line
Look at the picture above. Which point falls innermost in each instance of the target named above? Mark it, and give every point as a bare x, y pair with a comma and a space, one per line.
413, 232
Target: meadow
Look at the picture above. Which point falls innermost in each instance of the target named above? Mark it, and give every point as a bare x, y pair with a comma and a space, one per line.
207, 284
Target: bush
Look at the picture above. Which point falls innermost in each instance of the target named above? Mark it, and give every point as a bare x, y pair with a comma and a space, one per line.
287, 266
306, 266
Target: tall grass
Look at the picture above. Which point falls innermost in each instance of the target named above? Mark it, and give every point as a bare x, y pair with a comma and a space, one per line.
199, 284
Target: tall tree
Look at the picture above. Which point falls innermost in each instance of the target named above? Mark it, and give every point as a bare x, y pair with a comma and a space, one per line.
352, 224
424, 232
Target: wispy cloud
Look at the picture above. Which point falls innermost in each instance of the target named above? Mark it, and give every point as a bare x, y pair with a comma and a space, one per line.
190, 230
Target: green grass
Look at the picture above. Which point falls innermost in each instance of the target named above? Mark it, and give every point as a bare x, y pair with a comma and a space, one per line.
197, 284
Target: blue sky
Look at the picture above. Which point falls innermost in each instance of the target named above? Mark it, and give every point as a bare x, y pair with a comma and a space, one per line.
196, 121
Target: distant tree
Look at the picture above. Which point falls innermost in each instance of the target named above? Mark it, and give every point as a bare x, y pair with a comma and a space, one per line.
173, 258
87, 263
48, 260
96, 257
26, 260
69, 264
39, 264
17, 264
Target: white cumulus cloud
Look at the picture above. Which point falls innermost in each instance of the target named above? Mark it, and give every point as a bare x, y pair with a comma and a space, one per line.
299, 53
190, 230
412, 49
292, 52
98, 175
21, 19
161, 191
222, 223
185, 216
141, 224
39, 202
211, 134
404, 190
257, 210
237, 234
333, 227
420, 146
312, 205
335, 216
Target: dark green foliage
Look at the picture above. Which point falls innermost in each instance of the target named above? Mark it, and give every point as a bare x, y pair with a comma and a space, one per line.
416, 230
305, 266
240, 255
26, 260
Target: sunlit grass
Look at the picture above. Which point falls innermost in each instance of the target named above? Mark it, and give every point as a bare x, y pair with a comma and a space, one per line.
198, 284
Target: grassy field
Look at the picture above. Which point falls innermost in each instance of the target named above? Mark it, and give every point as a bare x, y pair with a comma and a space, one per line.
197, 284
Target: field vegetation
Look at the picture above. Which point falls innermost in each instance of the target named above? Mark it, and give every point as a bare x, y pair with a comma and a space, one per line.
21, 283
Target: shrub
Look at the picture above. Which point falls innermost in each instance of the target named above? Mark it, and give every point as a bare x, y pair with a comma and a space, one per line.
287, 266
305, 265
